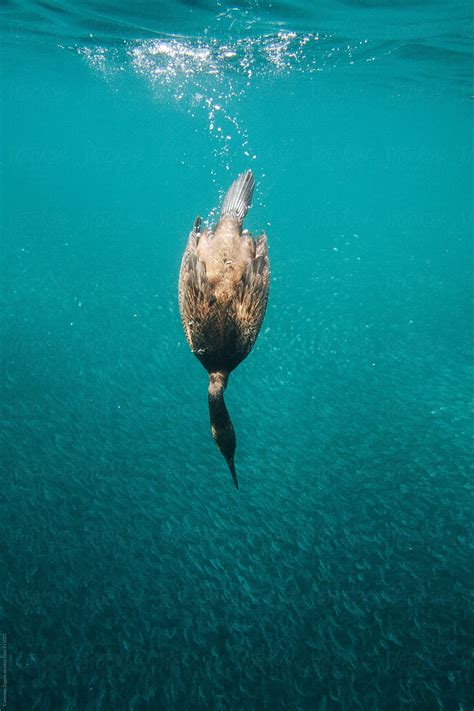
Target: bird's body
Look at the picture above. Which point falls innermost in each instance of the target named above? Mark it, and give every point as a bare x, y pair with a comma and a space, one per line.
223, 291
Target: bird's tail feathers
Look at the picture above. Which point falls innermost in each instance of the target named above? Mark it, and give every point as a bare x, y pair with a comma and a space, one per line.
239, 196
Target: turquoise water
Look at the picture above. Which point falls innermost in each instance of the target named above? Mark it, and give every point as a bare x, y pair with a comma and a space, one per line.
339, 575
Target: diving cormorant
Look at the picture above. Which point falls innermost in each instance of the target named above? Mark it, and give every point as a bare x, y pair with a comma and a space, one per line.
223, 291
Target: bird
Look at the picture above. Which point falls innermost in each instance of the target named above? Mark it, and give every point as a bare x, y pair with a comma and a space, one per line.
223, 289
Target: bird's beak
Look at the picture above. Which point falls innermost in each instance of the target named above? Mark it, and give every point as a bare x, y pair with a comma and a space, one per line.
230, 462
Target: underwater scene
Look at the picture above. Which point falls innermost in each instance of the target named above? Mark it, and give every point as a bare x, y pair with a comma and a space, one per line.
339, 574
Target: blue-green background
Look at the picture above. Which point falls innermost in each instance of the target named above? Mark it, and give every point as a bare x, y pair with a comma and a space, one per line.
339, 575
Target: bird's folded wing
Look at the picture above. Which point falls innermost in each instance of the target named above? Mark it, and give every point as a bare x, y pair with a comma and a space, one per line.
195, 300
251, 302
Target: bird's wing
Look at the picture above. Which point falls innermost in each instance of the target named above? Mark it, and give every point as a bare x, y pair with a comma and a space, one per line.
194, 296
251, 302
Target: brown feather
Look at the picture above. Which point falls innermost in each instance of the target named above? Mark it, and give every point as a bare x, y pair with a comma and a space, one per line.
221, 329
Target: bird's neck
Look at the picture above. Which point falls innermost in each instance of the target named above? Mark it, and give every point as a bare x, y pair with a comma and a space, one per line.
217, 409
